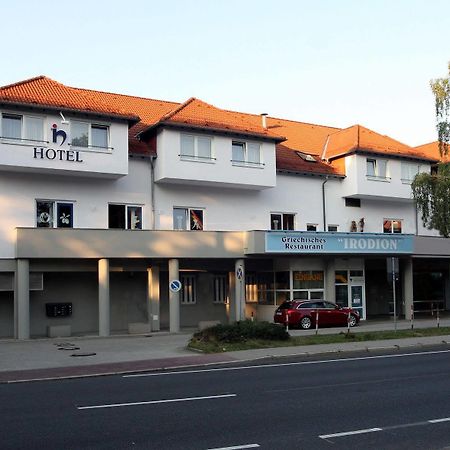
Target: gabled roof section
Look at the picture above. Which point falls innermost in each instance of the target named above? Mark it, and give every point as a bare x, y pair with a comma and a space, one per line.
360, 139
432, 151
199, 114
44, 92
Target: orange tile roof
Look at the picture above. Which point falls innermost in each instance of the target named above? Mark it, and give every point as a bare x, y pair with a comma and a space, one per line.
359, 138
432, 151
299, 136
196, 113
46, 92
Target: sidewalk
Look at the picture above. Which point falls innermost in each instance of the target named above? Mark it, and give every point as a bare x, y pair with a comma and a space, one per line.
40, 359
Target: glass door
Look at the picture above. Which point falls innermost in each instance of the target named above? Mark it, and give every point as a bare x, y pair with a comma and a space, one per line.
357, 299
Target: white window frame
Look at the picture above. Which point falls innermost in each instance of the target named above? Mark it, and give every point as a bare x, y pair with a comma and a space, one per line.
90, 146
24, 139
245, 162
196, 157
220, 285
409, 171
376, 166
392, 225
126, 207
334, 226
188, 211
282, 215
55, 203
315, 225
188, 293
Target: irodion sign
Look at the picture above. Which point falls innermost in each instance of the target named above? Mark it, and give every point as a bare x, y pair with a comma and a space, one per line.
304, 242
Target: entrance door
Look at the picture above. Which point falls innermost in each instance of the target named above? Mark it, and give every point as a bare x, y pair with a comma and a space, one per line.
357, 299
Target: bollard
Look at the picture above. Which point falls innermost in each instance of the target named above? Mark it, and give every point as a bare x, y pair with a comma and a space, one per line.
317, 321
252, 318
412, 317
437, 317
348, 323
287, 321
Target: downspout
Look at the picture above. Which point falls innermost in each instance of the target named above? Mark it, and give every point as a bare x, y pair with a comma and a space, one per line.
152, 189
324, 212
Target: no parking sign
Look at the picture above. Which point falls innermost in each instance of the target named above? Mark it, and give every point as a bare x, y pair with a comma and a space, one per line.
175, 285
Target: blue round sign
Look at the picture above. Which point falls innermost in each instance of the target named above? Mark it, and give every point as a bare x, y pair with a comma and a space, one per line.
175, 285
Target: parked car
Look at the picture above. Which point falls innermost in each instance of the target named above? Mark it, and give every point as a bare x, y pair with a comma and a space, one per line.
302, 313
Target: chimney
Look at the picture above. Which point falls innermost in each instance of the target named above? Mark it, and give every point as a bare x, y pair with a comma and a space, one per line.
264, 120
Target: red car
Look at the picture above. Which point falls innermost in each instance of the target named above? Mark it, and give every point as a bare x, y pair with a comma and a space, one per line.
302, 313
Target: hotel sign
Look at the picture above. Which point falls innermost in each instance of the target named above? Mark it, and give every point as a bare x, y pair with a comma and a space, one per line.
350, 243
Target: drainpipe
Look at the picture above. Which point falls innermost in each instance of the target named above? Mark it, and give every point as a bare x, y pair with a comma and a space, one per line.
152, 189
324, 213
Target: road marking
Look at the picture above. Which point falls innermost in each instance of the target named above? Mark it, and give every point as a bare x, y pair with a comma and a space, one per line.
392, 427
154, 402
302, 363
349, 433
445, 419
235, 447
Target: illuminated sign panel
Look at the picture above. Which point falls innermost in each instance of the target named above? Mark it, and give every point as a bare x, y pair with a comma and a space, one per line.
352, 243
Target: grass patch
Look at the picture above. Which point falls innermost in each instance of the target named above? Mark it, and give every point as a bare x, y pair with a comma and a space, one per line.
213, 343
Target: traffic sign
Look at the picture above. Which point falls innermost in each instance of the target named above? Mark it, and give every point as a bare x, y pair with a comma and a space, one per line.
175, 285
239, 273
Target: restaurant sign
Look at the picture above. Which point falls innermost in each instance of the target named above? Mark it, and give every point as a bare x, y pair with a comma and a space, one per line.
351, 243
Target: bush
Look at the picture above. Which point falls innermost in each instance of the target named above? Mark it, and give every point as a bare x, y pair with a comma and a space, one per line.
242, 331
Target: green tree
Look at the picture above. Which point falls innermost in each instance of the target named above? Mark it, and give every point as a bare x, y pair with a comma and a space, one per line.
431, 192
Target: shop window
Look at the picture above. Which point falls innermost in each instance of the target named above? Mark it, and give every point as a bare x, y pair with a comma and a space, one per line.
188, 289
125, 217
87, 135
246, 153
220, 288
54, 214
311, 227
392, 226
260, 288
195, 147
282, 221
377, 169
24, 128
188, 219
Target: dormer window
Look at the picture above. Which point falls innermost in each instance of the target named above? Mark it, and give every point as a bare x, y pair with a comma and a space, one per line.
377, 169
246, 153
24, 128
89, 135
195, 148
306, 157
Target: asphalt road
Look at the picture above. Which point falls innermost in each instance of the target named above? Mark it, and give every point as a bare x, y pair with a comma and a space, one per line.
385, 401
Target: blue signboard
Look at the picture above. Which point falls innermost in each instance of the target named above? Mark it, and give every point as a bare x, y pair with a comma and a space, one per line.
352, 243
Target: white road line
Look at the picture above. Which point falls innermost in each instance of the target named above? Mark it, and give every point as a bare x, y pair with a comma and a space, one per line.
302, 363
349, 433
445, 419
154, 402
235, 447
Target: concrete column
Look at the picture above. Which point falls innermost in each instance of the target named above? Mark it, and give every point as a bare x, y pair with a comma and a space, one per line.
22, 300
330, 290
104, 320
174, 298
239, 271
408, 294
232, 296
153, 298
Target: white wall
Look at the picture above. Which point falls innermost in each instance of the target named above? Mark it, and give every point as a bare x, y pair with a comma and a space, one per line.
18, 194
170, 168
19, 155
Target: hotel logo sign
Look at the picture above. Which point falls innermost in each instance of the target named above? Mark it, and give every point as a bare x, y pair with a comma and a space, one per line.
59, 154
351, 243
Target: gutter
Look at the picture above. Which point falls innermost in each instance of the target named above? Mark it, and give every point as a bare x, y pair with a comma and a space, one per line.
324, 213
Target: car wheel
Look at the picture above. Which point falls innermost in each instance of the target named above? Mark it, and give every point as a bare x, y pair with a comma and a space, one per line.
352, 320
305, 323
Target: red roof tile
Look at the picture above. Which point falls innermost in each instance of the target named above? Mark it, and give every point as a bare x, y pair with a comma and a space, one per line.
358, 138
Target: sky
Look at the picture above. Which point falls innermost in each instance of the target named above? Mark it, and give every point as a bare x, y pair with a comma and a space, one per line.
328, 62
